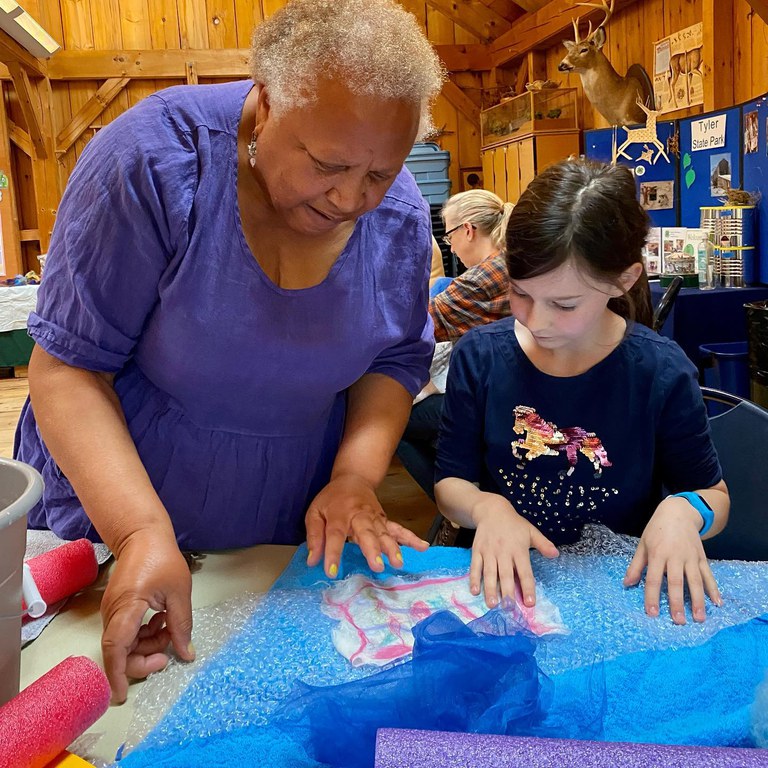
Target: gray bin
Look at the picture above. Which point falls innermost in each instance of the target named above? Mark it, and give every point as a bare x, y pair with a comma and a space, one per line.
757, 340
20, 489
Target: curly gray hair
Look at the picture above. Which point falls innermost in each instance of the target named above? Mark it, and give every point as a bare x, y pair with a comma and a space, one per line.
375, 45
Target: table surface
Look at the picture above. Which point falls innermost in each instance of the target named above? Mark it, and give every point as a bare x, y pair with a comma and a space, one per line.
76, 631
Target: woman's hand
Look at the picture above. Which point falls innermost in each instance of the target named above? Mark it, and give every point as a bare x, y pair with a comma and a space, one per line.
671, 545
501, 551
150, 574
348, 508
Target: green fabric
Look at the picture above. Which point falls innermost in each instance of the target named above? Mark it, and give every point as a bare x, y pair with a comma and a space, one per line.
15, 348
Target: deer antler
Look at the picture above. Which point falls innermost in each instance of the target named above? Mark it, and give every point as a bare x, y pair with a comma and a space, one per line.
575, 23
604, 7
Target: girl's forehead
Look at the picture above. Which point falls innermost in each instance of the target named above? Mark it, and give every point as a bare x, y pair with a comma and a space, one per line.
566, 280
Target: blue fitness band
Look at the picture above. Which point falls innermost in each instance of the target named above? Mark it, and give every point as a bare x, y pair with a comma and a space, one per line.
700, 505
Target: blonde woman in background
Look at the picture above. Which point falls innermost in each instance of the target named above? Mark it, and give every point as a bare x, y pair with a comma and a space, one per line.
475, 228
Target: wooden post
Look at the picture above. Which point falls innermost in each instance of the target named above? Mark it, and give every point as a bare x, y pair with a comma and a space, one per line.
192, 78
45, 172
717, 18
10, 263
537, 65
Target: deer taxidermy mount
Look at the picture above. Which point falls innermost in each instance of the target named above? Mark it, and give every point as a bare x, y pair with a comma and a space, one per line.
613, 96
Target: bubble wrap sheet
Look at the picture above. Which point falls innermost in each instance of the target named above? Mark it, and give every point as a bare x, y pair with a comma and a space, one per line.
223, 716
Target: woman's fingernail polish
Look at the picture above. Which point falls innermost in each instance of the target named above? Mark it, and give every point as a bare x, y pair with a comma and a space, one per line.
333, 570
379, 561
191, 650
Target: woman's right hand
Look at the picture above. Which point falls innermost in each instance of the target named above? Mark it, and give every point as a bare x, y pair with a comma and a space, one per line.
150, 574
501, 551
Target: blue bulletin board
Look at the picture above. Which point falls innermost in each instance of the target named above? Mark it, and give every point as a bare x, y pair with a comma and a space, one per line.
657, 183
755, 144
708, 170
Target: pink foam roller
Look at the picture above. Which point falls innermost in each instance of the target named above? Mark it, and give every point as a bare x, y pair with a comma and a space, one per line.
52, 712
65, 570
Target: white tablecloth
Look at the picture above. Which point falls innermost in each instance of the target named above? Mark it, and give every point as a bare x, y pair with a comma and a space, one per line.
16, 302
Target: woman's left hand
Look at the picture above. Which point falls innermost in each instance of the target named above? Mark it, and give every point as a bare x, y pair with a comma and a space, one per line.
671, 546
348, 508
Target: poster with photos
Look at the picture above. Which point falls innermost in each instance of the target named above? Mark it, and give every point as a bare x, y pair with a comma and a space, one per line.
750, 133
720, 174
652, 252
678, 78
657, 195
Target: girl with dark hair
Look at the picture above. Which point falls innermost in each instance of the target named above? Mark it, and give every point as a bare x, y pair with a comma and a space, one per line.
573, 411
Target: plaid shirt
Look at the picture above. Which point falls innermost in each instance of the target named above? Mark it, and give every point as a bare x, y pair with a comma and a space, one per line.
477, 297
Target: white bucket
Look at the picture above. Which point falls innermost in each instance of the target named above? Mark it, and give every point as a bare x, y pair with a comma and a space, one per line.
20, 489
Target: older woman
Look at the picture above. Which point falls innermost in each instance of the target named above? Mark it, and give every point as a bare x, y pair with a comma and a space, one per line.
234, 317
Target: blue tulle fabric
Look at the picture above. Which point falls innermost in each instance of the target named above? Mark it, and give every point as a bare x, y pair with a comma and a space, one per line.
478, 678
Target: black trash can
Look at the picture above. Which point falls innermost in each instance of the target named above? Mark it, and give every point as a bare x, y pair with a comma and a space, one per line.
757, 339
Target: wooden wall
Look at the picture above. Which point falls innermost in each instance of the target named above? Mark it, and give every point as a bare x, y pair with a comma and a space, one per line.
85, 27
632, 32
117, 25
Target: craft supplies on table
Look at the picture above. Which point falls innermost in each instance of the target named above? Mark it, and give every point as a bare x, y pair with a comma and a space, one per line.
279, 689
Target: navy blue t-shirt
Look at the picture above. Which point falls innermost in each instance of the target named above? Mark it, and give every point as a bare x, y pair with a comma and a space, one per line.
566, 451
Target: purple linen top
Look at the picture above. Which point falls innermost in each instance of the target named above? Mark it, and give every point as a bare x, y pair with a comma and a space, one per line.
232, 387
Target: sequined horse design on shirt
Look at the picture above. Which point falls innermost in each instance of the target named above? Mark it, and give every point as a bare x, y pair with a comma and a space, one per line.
543, 438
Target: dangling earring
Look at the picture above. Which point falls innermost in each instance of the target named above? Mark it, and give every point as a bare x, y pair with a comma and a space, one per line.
252, 150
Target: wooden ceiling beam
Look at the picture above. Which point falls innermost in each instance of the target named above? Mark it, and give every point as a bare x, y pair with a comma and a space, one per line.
89, 112
462, 102
20, 138
161, 64
760, 7
473, 16
465, 58
544, 28
531, 6
11, 51
151, 65
509, 9
28, 109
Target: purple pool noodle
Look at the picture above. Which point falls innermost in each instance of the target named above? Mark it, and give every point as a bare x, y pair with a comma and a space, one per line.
436, 749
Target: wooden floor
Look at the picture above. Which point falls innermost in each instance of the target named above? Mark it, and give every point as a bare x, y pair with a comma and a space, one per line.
400, 496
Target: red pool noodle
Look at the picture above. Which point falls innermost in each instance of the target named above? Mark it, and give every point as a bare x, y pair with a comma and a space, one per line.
65, 570
52, 712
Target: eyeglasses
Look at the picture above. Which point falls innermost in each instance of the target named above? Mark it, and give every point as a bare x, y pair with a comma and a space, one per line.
446, 238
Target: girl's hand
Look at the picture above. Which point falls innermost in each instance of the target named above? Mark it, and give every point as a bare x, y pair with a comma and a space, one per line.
501, 551
348, 508
671, 545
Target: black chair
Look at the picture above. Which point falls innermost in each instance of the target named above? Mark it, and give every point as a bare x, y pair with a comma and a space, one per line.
661, 313
740, 434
